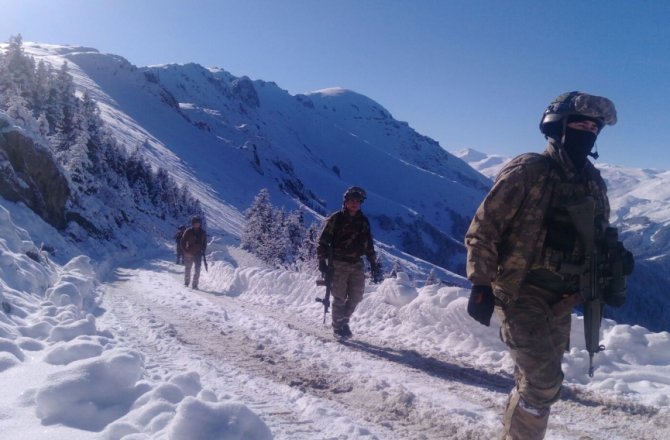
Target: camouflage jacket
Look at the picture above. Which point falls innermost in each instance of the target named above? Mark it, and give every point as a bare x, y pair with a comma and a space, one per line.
350, 237
194, 241
506, 238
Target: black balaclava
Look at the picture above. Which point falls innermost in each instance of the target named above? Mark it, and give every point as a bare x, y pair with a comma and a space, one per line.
578, 144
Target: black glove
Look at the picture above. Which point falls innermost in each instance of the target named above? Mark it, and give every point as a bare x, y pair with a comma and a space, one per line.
481, 303
323, 266
377, 273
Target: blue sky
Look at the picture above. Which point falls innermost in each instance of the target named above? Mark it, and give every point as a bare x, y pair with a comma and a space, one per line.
468, 73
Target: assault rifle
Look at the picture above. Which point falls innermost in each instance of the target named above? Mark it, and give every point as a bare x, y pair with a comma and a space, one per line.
204, 260
326, 280
602, 274
583, 218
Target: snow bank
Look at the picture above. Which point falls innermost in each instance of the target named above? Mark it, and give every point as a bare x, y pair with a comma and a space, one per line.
63, 377
92, 394
434, 320
398, 291
183, 410
198, 420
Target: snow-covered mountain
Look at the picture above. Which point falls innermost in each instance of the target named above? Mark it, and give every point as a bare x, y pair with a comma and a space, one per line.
640, 202
487, 164
228, 137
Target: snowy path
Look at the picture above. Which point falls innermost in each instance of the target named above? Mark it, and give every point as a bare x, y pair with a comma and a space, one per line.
285, 366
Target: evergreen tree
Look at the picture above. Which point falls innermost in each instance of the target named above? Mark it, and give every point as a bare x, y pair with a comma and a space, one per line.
66, 99
259, 218
276, 244
43, 100
17, 109
53, 108
307, 252
89, 119
41, 92
18, 73
294, 231
43, 125
432, 278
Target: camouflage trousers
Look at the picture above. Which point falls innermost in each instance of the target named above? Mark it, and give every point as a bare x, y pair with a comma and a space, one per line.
189, 262
536, 340
347, 289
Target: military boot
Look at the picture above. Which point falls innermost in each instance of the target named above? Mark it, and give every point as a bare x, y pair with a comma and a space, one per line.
523, 421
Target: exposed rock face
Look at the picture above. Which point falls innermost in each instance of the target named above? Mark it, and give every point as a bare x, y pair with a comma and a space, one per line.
29, 174
243, 88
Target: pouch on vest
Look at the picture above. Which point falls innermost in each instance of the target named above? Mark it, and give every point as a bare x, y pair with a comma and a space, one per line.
561, 244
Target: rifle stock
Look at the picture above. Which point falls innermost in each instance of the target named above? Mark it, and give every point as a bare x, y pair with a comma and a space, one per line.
583, 218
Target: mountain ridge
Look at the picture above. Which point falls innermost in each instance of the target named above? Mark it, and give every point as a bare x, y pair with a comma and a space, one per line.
306, 148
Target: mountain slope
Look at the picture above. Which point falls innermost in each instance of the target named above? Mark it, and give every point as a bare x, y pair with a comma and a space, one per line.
228, 137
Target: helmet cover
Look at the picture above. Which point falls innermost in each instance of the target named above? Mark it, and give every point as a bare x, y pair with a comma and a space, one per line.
355, 193
598, 108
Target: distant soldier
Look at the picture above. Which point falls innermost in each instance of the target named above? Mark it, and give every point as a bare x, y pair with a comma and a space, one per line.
177, 238
520, 239
347, 234
193, 245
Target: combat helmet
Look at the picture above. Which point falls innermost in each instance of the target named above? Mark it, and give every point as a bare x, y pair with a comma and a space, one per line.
576, 104
355, 193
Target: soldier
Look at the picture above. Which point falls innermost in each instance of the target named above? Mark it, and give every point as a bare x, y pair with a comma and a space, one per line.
347, 234
516, 243
193, 244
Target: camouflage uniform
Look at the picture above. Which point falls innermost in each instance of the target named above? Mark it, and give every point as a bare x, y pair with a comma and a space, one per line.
520, 235
193, 244
350, 238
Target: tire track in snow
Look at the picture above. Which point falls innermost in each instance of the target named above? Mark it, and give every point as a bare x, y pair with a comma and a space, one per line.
596, 414
234, 341
157, 331
606, 418
389, 410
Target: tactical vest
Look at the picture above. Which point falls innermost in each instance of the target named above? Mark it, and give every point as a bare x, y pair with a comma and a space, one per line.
562, 243
507, 237
349, 236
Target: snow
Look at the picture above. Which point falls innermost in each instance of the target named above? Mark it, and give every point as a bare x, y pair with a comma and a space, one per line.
487, 164
134, 354
113, 346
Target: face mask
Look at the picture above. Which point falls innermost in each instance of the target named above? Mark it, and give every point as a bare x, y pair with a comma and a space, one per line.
578, 144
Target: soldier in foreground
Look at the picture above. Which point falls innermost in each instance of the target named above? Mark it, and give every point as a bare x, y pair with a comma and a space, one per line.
526, 249
347, 236
193, 244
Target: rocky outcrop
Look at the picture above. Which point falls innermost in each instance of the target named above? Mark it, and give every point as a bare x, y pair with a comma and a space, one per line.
29, 174
243, 89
